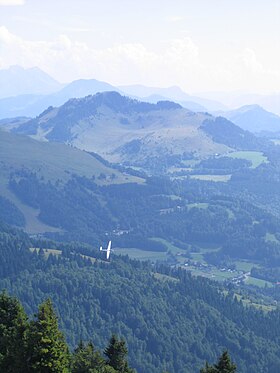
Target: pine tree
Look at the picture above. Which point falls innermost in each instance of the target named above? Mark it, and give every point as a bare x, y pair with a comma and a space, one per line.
86, 359
13, 324
47, 349
224, 365
116, 353
208, 369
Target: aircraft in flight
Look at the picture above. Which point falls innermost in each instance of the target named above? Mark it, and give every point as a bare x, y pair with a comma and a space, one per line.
108, 250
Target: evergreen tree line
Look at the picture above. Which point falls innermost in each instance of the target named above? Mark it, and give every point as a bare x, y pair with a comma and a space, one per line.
39, 346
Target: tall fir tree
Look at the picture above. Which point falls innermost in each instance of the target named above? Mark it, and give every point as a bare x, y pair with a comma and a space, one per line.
86, 359
208, 369
47, 349
224, 365
116, 354
13, 325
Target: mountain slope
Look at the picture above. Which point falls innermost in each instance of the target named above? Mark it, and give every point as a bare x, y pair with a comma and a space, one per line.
51, 162
254, 118
16, 80
190, 105
270, 102
121, 129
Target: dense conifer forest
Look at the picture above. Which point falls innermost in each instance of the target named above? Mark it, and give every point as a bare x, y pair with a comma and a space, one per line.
38, 345
170, 320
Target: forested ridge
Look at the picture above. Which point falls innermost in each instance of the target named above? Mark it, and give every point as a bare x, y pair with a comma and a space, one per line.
170, 320
87, 211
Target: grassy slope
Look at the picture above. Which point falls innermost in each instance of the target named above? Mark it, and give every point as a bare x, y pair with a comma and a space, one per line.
256, 158
161, 131
53, 161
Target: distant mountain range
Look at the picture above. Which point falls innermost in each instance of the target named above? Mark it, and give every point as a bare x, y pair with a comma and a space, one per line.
29, 92
174, 94
16, 81
31, 105
233, 100
254, 118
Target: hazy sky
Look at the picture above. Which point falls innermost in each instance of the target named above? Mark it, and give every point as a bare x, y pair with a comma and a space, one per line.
200, 45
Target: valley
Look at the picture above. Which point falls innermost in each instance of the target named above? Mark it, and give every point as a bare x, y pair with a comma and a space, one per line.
139, 186
191, 204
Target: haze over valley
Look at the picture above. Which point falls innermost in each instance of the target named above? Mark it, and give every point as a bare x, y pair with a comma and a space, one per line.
139, 186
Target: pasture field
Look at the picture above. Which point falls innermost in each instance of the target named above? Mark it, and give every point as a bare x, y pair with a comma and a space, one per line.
256, 158
141, 254
215, 178
258, 282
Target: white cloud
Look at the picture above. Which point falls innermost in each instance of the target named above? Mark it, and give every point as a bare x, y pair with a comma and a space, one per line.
127, 62
175, 62
251, 62
174, 19
11, 2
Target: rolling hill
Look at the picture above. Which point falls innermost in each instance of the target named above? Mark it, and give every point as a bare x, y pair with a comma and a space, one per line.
47, 186
254, 118
124, 130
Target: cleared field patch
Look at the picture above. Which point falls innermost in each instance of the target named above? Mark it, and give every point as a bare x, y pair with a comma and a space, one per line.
258, 282
172, 248
191, 162
141, 254
161, 277
47, 252
199, 205
249, 302
213, 273
270, 237
33, 225
215, 178
243, 265
256, 158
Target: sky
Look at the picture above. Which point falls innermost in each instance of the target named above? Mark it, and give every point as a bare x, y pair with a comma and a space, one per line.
199, 45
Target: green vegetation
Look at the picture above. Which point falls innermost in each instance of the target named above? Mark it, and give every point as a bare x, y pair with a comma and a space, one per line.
258, 282
215, 178
142, 254
52, 161
224, 365
145, 217
200, 205
270, 237
39, 346
170, 320
256, 158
